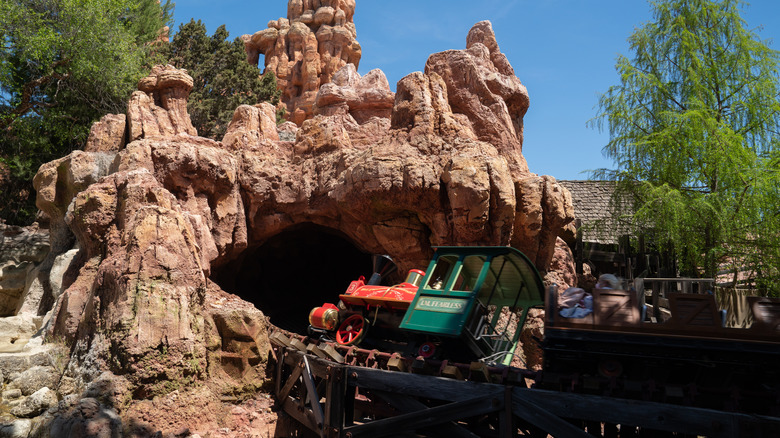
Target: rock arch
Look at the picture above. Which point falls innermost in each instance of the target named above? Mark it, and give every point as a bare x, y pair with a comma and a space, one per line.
293, 271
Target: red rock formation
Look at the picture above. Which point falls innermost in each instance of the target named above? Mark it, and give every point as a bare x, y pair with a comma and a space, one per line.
482, 85
159, 108
437, 163
306, 49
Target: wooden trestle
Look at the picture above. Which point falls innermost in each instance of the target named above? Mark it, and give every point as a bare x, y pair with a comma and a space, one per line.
334, 399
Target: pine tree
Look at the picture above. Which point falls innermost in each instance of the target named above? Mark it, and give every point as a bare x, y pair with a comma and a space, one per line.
223, 79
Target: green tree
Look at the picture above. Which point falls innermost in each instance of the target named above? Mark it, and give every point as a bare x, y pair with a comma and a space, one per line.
64, 64
223, 79
693, 132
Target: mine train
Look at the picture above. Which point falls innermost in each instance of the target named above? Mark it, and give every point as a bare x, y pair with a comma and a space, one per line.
471, 303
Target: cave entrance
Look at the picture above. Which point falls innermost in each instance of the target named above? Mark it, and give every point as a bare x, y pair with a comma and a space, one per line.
295, 271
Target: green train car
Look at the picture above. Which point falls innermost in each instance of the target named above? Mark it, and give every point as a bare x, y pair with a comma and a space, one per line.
470, 303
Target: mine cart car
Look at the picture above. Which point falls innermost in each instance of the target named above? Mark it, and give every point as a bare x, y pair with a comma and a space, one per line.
690, 359
471, 302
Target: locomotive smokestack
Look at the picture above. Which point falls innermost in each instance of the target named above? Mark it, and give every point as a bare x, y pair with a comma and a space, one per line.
383, 266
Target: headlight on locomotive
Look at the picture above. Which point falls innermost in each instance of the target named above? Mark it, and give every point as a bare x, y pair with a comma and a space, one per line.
325, 317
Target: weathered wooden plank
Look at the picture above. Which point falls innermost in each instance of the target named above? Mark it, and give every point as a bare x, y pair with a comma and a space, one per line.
408, 404
300, 346
279, 339
452, 372
333, 354
542, 418
439, 388
305, 417
479, 371
650, 415
396, 364
428, 417
313, 349
294, 376
311, 393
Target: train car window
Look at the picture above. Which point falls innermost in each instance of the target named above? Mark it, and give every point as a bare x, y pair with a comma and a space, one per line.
502, 284
441, 272
469, 273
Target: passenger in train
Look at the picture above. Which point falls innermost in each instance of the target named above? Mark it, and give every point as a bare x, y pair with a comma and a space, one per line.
575, 303
608, 281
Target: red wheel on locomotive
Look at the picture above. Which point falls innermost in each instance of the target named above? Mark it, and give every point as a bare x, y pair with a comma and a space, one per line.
427, 350
352, 330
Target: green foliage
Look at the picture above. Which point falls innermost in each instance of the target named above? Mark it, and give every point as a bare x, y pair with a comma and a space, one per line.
693, 127
223, 79
64, 64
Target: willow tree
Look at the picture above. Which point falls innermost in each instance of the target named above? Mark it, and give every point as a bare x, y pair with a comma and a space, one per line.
693, 129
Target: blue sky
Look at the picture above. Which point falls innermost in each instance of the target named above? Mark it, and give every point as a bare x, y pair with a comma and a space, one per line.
563, 51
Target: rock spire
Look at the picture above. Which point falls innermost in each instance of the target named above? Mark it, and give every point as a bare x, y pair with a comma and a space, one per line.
306, 49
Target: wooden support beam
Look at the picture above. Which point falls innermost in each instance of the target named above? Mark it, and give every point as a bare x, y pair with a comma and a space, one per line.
428, 417
506, 425
334, 407
305, 417
311, 393
648, 415
279, 369
349, 405
440, 388
408, 404
285, 391
540, 417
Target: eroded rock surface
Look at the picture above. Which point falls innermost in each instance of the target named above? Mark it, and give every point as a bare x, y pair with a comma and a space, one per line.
146, 219
159, 107
306, 49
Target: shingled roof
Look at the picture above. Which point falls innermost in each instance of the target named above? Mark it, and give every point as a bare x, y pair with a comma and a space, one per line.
591, 201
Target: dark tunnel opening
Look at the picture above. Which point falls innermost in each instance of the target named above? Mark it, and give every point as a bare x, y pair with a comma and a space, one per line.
295, 271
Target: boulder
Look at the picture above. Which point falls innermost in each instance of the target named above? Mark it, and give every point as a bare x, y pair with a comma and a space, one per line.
36, 403
34, 378
16, 429
86, 417
107, 135
16, 331
22, 249
159, 107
